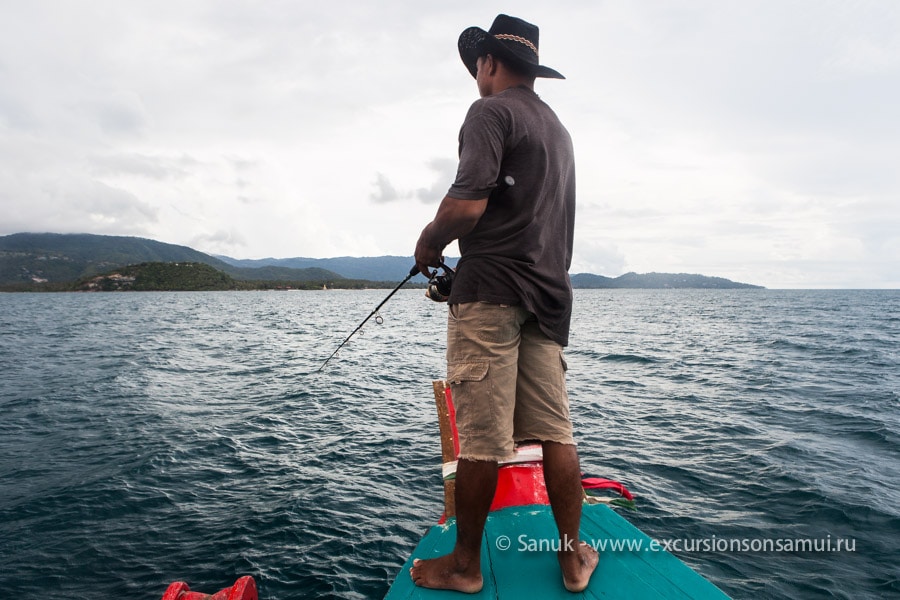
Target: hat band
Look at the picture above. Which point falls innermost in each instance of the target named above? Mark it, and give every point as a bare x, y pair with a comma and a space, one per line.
516, 38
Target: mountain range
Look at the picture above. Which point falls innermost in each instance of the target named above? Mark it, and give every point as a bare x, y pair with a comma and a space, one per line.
28, 260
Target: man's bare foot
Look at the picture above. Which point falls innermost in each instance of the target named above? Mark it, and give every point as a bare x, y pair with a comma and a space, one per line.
447, 573
578, 566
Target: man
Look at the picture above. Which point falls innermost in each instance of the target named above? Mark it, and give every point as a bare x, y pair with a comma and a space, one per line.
512, 209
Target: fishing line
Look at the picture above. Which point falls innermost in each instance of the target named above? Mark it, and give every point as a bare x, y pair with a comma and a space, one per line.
378, 319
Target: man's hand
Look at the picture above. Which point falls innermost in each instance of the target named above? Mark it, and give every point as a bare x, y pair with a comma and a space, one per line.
454, 219
427, 254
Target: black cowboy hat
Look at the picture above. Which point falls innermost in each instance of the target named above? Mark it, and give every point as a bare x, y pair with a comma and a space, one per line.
509, 38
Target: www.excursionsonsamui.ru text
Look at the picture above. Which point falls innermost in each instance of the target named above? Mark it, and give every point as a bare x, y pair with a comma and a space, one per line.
524, 543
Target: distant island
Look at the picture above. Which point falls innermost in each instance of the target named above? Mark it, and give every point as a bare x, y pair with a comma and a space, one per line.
87, 262
657, 281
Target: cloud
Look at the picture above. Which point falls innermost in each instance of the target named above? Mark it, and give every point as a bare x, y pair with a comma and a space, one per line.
219, 242
593, 256
385, 191
445, 170
446, 174
117, 112
74, 204
142, 165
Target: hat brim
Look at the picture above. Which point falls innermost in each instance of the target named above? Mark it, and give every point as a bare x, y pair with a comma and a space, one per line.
475, 42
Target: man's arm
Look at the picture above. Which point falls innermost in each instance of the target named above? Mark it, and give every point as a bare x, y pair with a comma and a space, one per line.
454, 218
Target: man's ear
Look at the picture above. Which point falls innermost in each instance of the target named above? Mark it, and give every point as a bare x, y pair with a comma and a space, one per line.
491, 64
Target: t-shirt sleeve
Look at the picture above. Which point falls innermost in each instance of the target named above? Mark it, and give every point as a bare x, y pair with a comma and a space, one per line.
481, 142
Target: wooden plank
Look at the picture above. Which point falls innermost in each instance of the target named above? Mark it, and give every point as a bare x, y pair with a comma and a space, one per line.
643, 570
439, 540
521, 568
448, 452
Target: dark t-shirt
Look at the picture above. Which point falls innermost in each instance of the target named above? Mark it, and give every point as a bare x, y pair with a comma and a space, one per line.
520, 251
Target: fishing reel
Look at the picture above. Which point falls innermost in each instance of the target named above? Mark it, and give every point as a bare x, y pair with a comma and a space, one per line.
439, 285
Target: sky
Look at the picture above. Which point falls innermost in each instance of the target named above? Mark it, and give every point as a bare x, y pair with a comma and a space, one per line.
757, 141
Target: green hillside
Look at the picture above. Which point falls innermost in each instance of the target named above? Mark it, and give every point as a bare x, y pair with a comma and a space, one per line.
50, 259
159, 276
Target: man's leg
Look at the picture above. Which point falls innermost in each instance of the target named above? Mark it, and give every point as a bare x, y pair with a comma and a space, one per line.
542, 413
460, 570
563, 478
482, 356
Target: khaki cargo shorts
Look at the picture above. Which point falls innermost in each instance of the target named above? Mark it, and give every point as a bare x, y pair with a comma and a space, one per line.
508, 380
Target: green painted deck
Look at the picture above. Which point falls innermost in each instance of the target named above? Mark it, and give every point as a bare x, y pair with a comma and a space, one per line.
519, 560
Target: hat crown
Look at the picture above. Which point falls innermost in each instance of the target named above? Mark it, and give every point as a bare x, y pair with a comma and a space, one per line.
518, 36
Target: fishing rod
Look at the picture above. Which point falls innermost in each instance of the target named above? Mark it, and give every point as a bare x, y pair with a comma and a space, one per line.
412, 273
438, 290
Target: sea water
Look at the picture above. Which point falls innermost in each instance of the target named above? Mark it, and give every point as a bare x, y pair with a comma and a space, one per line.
153, 437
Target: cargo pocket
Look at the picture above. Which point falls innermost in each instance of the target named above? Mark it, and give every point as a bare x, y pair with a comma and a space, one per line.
473, 396
467, 371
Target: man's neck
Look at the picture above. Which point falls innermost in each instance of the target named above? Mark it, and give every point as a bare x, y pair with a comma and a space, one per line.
504, 82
